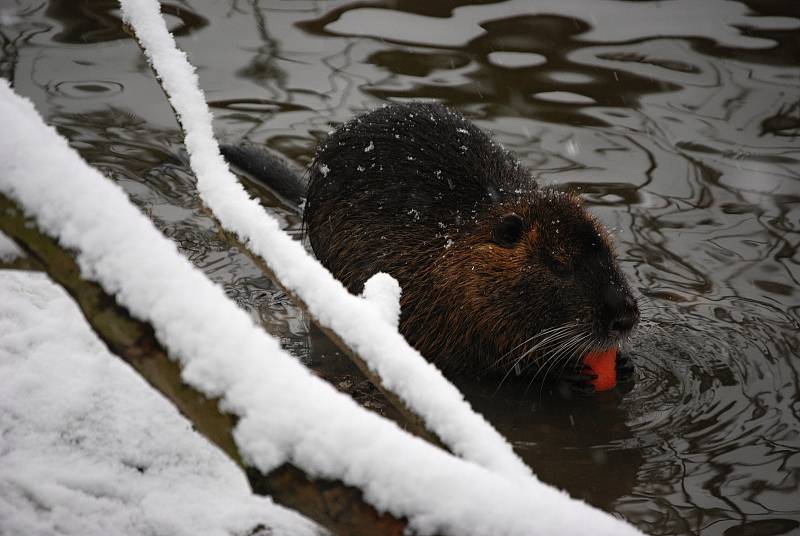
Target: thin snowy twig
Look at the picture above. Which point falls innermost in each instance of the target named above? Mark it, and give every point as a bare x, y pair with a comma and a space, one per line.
358, 322
411, 422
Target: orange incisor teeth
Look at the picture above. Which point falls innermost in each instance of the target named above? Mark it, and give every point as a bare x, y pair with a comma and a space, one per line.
604, 365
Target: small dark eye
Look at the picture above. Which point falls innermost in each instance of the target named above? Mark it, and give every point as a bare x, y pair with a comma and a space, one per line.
508, 230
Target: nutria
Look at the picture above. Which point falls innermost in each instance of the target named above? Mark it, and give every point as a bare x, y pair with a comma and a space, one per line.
497, 273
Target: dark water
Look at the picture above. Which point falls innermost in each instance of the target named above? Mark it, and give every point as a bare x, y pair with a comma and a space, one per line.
678, 120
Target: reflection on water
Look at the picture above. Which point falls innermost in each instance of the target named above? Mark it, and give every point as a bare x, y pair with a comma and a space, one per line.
678, 121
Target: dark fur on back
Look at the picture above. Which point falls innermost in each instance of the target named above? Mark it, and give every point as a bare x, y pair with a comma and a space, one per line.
419, 158
419, 192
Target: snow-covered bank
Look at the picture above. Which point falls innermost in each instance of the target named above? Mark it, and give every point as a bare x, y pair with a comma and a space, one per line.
285, 413
88, 448
8, 249
360, 323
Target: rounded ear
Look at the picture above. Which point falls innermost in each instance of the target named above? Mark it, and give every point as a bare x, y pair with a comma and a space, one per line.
508, 230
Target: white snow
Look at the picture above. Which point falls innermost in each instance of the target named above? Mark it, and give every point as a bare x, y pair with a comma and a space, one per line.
89, 449
284, 412
358, 322
384, 292
8, 249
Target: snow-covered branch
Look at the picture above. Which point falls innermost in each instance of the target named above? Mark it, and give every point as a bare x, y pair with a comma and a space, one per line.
332, 504
360, 323
284, 414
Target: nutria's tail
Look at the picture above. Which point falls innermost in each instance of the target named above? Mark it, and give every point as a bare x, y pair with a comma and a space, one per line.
267, 168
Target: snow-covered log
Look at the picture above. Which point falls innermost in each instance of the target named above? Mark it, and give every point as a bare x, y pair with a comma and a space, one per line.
332, 504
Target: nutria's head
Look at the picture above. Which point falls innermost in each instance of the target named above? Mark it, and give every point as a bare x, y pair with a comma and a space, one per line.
533, 283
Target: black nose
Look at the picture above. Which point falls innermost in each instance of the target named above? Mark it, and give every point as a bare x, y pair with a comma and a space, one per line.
621, 310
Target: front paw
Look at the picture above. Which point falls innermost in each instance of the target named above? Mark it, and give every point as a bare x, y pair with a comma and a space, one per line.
624, 368
578, 383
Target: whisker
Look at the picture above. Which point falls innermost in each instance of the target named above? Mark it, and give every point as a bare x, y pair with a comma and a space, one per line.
567, 353
554, 355
552, 339
548, 331
587, 346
